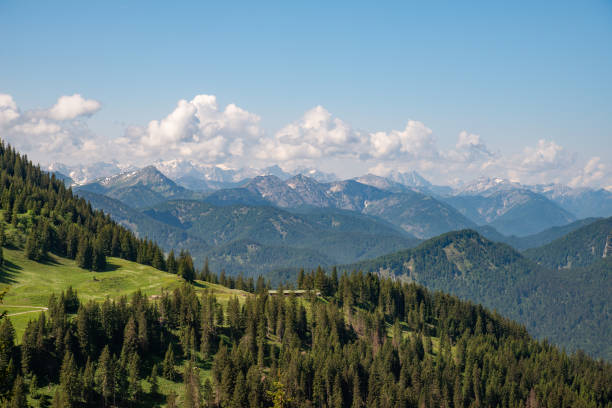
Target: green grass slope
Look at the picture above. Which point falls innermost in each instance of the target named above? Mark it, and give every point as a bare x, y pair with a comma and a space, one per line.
29, 284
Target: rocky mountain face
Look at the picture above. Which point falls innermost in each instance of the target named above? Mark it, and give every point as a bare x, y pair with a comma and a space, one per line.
83, 174
507, 206
583, 202
139, 188
414, 212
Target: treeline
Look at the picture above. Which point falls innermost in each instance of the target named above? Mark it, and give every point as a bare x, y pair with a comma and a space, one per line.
366, 342
46, 217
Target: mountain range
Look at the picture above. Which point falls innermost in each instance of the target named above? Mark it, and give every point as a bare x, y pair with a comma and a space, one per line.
500, 210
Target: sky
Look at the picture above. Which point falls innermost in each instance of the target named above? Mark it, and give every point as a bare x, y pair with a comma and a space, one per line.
521, 90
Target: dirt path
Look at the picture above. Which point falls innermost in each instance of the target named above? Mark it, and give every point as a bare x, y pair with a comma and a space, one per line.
36, 309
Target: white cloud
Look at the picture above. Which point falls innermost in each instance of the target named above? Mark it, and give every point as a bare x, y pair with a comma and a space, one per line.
196, 129
315, 135
8, 109
593, 172
73, 106
414, 142
37, 126
52, 134
547, 155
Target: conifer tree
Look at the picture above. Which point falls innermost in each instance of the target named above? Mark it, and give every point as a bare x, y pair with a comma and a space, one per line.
98, 257
105, 376
168, 364
70, 380
84, 256
19, 399
171, 265
134, 389
154, 380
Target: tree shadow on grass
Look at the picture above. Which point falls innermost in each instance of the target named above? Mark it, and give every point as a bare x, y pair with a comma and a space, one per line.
8, 271
48, 261
110, 267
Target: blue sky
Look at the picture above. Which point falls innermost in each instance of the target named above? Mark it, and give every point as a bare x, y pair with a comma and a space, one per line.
513, 73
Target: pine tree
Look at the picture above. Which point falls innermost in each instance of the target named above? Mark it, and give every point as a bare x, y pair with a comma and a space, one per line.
154, 380
134, 389
7, 346
206, 270
105, 375
84, 256
33, 247
89, 382
185, 267
240, 394
168, 364
19, 399
171, 263
98, 260
70, 381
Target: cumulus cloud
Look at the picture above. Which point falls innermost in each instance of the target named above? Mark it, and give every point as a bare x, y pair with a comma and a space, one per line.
315, 135
547, 155
54, 133
73, 106
196, 129
414, 142
593, 172
8, 110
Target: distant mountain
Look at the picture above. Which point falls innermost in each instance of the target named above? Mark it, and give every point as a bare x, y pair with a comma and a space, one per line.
570, 307
273, 226
534, 240
583, 201
323, 236
410, 179
82, 174
508, 207
139, 188
419, 214
581, 247
203, 177
143, 226
382, 183
320, 176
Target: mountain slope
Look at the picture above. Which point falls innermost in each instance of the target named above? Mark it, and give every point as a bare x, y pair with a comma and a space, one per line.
143, 226
570, 307
509, 209
583, 201
416, 213
140, 188
578, 248
338, 235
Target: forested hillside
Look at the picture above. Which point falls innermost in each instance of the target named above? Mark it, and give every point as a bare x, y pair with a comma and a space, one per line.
364, 342
579, 248
252, 239
571, 307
